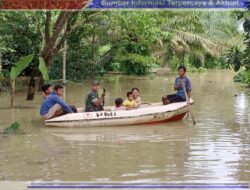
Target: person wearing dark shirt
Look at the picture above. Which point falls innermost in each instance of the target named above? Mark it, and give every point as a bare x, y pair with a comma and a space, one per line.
53, 105
92, 101
181, 84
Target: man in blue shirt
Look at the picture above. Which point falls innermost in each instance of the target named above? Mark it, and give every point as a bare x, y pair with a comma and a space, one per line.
53, 105
181, 84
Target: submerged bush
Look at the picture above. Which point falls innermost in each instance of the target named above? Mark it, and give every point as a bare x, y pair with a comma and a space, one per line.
202, 69
234, 58
243, 76
211, 62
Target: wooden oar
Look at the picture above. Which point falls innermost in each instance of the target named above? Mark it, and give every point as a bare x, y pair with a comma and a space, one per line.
104, 91
188, 102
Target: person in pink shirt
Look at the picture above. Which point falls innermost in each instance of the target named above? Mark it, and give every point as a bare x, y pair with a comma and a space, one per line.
118, 104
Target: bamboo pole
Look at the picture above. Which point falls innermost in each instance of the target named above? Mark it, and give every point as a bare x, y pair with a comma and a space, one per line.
12, 92
64, 61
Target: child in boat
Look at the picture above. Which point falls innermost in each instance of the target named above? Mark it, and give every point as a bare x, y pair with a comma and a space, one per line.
182, 84
129, 103
118, 104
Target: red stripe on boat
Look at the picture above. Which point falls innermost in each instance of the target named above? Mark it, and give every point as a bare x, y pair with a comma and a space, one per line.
175, 118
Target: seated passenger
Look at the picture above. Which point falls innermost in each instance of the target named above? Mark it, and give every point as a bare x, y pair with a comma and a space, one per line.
92, 101
118, 104
46, 90
129, 103
136, 96
53, 105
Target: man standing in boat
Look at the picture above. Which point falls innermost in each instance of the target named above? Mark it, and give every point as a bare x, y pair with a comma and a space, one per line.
92, 101
181, 84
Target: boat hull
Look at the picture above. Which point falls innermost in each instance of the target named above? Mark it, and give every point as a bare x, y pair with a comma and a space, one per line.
147, 115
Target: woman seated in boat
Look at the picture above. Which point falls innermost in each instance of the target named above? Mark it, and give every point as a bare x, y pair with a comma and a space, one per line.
137, 98
129, 103
182, 85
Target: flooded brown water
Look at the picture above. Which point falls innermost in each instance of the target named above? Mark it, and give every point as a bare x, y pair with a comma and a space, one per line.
216, 149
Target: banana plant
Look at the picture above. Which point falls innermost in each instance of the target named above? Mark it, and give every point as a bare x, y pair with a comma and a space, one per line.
18, 68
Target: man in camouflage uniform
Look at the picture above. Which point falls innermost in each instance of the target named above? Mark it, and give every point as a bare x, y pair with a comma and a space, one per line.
92, 101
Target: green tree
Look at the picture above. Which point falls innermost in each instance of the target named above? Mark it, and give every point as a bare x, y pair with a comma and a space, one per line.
242, 57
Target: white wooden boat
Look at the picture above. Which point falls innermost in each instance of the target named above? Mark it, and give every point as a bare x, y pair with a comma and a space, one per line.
146, 114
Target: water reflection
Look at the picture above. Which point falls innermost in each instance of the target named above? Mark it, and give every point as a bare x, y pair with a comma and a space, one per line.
242, 115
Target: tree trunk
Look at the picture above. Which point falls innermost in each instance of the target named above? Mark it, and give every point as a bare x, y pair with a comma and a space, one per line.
32, 83
31, 90
93, 57
50, 47
64, 93
12, 92
64, 61
91, 70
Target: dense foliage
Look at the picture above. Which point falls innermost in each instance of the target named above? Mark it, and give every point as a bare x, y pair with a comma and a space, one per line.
129, 42
239, 57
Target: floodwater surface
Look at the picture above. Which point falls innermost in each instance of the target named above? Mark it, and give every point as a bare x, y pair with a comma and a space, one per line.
216, 149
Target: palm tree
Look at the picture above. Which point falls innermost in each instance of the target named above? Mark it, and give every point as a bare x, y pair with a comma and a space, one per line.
201, 33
